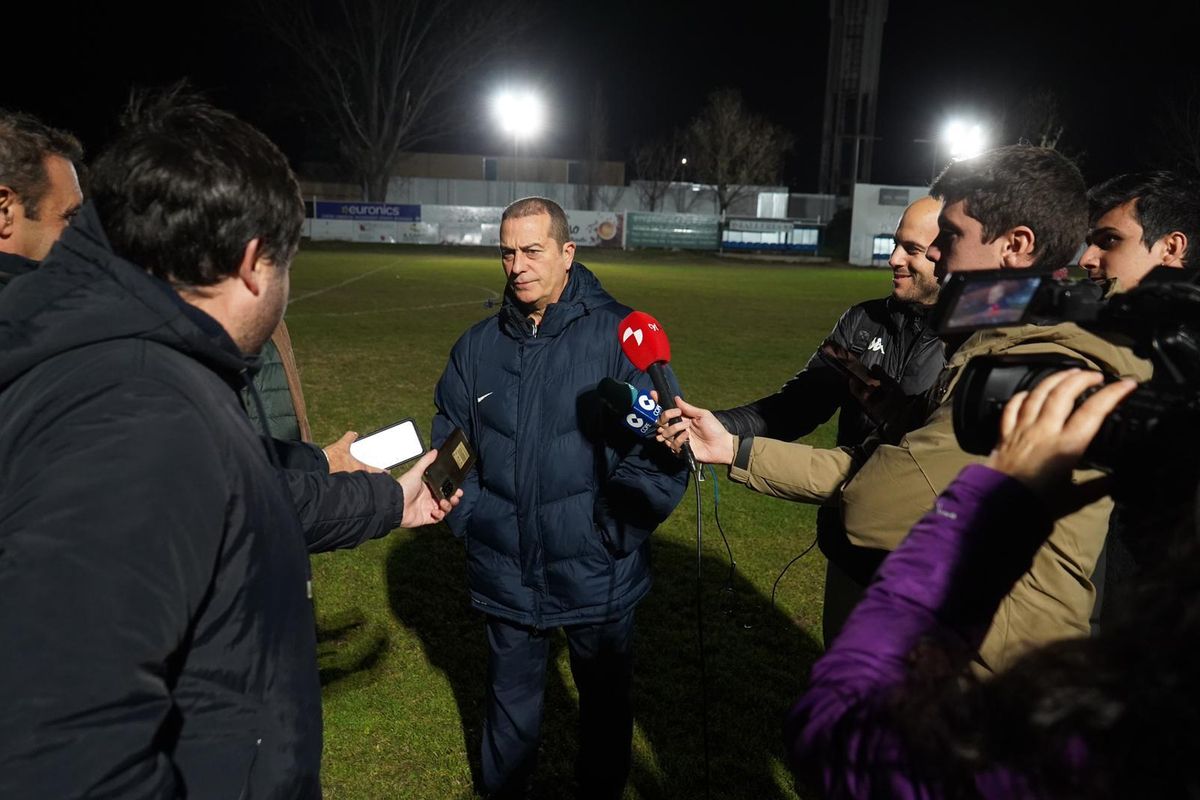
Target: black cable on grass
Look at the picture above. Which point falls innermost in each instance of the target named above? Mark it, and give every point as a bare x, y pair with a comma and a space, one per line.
712, 474
775, 585
700, 629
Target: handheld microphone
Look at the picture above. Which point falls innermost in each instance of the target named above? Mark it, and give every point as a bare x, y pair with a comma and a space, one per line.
637, 409
644, 343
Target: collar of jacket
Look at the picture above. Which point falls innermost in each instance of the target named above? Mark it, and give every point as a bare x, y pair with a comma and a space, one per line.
916, 313
581, 294
12, 265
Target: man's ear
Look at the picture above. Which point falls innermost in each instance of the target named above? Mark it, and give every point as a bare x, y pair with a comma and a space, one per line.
250, 269
8, 199
569, 252
1018, 247
1175, 245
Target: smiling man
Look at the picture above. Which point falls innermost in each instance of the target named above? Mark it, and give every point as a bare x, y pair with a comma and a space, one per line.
557, 515
1140, 221
890, 334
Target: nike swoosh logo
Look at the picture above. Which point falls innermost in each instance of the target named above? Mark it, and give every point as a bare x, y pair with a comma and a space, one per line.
483, 397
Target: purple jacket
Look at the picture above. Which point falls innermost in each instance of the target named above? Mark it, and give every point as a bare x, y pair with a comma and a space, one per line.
944, 582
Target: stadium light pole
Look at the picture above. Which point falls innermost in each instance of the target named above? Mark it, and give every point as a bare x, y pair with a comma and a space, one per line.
521, 115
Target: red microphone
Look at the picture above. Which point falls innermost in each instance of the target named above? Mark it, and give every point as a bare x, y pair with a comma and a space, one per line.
644, 342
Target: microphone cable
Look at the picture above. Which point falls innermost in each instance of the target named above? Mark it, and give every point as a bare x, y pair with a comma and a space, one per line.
775, 585
700, 629
726, 589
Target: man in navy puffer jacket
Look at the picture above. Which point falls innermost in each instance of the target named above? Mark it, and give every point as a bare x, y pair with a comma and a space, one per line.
557, 515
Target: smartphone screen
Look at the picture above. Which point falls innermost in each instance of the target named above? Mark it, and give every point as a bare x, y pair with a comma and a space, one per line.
387, 447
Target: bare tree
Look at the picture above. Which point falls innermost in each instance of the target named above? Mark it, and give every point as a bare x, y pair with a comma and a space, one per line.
1039, 119
734, 148
657, 165
1180, 129
378, 71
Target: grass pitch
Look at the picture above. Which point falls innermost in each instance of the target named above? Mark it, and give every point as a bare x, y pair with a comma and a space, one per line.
402, 655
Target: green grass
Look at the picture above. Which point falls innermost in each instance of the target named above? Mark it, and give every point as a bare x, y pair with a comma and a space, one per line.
402, 656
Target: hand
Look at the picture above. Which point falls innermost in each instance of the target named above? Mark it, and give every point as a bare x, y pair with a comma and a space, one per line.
711, 443
340, 460
420, 506
1043, 436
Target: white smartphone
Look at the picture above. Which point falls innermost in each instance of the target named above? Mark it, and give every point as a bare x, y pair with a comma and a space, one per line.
389, 446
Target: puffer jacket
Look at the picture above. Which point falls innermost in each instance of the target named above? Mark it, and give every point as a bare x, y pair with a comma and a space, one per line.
278, 385
557, 513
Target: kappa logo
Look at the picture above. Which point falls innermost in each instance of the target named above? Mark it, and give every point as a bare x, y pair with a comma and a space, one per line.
876, 345
637, 335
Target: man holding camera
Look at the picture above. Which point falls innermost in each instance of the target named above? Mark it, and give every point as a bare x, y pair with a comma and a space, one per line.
1016, 207
1140, 221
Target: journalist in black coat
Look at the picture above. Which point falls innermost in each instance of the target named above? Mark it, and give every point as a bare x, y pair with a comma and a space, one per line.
158, 630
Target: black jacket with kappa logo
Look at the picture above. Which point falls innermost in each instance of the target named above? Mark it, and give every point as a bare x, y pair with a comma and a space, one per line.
884, 332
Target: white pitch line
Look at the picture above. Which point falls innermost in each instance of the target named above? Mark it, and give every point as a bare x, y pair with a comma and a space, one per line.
346, 282
491, 296
385, 310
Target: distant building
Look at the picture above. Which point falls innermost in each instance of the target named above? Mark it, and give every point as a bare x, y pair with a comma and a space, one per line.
324, 181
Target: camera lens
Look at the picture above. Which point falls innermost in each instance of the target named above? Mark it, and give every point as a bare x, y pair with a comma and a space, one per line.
986, 386
447, 488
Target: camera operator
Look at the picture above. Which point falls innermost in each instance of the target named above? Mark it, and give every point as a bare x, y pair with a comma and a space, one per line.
1016, 208
1112, 716
1139, 221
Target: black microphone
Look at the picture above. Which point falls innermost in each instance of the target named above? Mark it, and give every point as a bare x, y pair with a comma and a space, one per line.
637, 409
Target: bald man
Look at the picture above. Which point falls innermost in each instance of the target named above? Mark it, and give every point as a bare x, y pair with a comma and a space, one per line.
890, 334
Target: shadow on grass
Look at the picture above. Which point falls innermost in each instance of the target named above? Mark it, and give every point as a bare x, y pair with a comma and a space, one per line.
347, 644
756, 661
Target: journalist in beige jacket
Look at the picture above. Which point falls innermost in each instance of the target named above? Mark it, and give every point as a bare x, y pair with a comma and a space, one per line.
882, 496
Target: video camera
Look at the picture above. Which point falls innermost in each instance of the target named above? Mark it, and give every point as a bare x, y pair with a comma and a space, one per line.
1153, 437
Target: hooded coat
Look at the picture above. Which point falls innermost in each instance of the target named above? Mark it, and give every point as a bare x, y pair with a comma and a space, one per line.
157, 622
558, 511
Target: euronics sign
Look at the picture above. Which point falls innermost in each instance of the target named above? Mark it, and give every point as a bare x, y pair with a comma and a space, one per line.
367, 212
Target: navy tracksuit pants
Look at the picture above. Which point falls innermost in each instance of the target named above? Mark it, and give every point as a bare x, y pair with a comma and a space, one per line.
602, 666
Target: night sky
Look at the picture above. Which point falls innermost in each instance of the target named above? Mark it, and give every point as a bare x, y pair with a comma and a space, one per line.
654, 63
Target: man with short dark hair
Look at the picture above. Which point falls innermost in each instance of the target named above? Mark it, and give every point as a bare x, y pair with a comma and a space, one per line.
558, 512
1140, 221
889, 334
39, 190
159, 635
1012, 207
882, 489
39, 194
